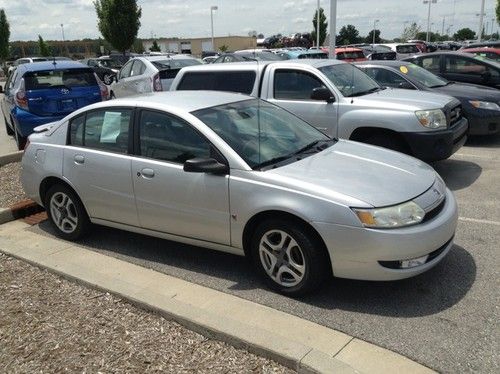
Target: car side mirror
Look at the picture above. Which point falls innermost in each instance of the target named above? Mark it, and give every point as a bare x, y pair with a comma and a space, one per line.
322, 94
205, 165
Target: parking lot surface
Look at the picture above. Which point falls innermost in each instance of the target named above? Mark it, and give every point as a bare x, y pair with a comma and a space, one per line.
446, 319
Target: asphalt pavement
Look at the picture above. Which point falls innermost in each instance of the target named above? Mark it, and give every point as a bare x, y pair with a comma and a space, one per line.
446, 319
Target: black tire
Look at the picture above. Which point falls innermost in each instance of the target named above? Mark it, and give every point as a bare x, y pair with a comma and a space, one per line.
316, 261
387, 141
20, 140
112, 96
75, 209
9, 131
107, 79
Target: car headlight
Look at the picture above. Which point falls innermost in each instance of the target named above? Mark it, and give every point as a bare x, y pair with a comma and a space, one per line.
484, 105
406, 214
432, 119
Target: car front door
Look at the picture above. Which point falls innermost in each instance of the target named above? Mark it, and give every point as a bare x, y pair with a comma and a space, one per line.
470, 70
137, 82
170, 200
97, 164
291, 89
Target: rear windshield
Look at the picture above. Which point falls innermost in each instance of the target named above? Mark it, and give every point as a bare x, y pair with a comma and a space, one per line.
235, 81
313, 55
350, 55
175, 64
39, 80
407, 49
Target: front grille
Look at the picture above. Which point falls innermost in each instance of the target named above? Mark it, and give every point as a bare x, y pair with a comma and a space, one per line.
455, 115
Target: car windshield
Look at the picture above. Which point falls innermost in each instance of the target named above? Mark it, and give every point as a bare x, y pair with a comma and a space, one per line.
67, 78
261, 133
175, 63
423, 76
407, 49
350, 80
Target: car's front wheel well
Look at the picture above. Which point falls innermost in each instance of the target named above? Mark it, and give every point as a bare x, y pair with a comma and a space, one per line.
257, 219
382, 137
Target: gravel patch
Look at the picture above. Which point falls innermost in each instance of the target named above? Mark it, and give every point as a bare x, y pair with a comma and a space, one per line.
48, 324
11, 190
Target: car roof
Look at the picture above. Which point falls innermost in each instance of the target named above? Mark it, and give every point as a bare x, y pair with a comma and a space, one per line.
186, 101
391, 63
51, 65
459, 54
482, 49
165, 57
348, 49
300, 53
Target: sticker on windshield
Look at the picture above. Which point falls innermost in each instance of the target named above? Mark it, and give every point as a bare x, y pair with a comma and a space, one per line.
403, 69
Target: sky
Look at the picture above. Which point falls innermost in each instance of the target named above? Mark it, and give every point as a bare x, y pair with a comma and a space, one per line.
191, 18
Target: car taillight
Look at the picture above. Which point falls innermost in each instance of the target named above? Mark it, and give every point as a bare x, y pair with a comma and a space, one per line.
103, 88
157, 83
20, 98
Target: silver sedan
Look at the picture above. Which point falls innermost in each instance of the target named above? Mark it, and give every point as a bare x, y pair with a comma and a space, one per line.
237, 174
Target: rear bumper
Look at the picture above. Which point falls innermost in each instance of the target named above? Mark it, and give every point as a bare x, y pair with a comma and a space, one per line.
25, 121
437, 145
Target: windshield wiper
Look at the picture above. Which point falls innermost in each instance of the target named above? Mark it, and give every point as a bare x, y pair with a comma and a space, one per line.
311, 145
361, 93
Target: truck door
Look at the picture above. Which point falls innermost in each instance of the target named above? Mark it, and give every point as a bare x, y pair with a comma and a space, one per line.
291, 89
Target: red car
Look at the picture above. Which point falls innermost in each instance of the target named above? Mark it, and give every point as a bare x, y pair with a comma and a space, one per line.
348, 54
491, 53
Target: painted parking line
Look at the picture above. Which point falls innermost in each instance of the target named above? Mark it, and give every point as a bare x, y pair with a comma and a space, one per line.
485, 157
475, 220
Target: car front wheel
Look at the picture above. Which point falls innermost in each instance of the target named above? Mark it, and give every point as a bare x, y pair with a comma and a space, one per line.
66, 213
290, 257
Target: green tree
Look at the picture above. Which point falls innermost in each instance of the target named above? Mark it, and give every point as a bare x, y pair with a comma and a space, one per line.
433, 37
43, 47
323, 25
464, 34
155, 47
348, 35
369, 38
497, 11
223, 48
4, 36
118, 21
410, 32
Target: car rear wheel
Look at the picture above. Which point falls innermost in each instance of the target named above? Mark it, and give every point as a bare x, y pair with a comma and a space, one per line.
107, 79
9, 131
66, 213
289, 257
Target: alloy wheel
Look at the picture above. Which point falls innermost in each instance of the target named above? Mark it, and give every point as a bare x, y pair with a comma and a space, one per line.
63, 212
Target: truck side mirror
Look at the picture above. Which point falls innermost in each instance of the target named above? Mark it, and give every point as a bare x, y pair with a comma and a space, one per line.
322, 94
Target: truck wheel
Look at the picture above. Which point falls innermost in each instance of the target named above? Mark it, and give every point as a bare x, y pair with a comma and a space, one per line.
387, 141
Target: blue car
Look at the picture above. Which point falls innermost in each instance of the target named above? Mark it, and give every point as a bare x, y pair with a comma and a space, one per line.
42, 92
302, 54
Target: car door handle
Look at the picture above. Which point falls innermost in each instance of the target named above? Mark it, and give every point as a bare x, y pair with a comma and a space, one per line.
146, 173
79, 159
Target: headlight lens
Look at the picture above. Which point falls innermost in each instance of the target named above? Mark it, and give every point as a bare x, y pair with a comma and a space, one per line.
484, 105
432, 119
395, 216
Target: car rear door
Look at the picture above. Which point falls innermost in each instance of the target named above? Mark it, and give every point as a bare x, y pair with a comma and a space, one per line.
170, 200
469, 70
121, 87
97, 164
60, 92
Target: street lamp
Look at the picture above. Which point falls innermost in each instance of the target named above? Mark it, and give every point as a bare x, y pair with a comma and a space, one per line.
333, 28
374, 26
481, 15
212, 8
62, 29
429, 17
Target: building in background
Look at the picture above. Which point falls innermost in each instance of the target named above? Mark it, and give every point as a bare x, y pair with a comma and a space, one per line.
196, 46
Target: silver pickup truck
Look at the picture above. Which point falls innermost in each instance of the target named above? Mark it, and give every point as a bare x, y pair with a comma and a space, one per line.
342, 101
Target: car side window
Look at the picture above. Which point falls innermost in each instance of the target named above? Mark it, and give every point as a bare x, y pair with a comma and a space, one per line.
138, 68
430, 63
386, 77
168, 138
125, 71
457, 65
232, 81
294, 84
105, 129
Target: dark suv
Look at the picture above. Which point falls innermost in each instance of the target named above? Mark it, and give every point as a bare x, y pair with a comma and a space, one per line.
43, 92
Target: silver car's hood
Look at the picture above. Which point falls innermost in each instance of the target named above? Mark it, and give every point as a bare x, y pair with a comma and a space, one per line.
374, 175
396, 98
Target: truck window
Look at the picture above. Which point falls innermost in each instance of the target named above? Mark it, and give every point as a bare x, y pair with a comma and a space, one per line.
294, 85
232, 81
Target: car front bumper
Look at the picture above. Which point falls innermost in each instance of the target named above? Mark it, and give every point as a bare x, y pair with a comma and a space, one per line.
358, 253
439, 144
484, 125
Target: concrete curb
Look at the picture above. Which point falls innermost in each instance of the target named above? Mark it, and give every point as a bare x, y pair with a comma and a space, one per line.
11, 157
19, 210
287, 339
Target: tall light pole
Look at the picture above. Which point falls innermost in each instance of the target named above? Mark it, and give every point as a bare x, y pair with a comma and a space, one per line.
333, 28
374, 26
481, 15
317, 27
62, 29
428, 17
212, 8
